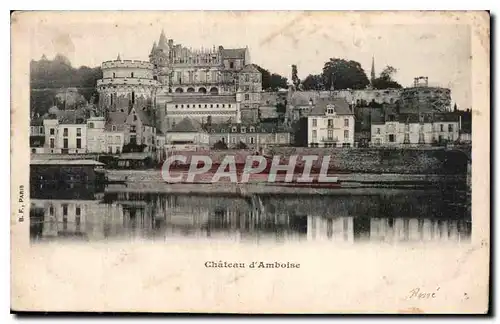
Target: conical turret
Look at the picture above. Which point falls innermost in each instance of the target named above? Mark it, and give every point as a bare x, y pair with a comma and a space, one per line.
373, 70
154, 48
118, 58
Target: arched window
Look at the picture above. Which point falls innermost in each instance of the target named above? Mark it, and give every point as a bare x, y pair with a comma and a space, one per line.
131, 74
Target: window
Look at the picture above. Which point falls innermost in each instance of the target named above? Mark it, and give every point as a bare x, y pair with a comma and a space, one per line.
247, 77
315, 122
117, 139
391, 138
441, 127
229, 105
199, 106
65, 143
65, 132
132, 129
391, 118
135, 118
234, 129
205, 106
41, 129
243, 129
314, 134
114, 75
231, 65
330, 122
187, 106
330, 134
251, 140
346, 134
113, 128
78, 143
233, 140
346, 122
330, 111
52, 143
117, 150
450, 127
247, 96
182, 106
51, 211
65, 210
378, 130
252, 129
211, 106
78, 211
223, 105
52, 131
377, 141
78, 132
176, 106
132, 74
217, 105
110, 149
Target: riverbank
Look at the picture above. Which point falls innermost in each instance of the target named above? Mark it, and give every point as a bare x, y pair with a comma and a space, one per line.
152, 180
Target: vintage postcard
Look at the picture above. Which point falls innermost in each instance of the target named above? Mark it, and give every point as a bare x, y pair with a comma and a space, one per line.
250, 162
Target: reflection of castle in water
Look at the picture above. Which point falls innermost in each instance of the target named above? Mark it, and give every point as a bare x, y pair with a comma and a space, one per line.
346, 218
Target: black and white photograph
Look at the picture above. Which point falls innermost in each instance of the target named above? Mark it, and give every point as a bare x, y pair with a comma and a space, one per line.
251, 162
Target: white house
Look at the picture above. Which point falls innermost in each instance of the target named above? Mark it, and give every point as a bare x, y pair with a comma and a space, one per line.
65, 133
330, 124
415, 129
188, 134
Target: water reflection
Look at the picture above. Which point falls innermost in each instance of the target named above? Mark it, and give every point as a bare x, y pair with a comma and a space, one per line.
358, 215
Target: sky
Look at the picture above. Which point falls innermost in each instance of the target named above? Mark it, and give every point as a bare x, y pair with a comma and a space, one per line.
440, 50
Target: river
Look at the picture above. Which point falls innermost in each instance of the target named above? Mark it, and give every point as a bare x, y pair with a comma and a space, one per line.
349, 216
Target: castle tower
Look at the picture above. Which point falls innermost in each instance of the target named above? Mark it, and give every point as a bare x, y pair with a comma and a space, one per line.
125, 84
249, 93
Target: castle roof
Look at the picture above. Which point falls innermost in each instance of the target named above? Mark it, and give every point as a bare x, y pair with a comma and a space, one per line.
340, 106
187, 125
234, 53
302, 98
250, 68
144, 117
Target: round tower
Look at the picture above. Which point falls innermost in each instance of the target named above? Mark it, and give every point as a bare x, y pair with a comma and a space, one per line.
126, 84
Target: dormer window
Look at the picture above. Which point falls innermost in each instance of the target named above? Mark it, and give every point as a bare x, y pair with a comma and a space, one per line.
243, 129
330, 110
252, 129
234, 129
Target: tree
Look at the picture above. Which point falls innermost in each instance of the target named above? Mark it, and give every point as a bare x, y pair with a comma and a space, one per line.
313, 82
272, 81
295, 78
220, 145
343, 74
385, 80
241, 146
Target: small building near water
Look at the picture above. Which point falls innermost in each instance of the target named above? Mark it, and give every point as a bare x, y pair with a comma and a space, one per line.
135, 160
67, 171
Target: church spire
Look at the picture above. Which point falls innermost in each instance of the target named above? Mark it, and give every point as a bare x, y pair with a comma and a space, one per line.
154, 47
162, 43
373, 70
118, 58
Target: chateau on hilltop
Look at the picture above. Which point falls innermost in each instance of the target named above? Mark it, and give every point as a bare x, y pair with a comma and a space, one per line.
215, 85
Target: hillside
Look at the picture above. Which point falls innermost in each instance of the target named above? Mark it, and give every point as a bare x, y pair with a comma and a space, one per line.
56, 82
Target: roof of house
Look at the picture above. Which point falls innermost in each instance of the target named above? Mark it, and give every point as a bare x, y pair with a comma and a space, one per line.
187, 125
144, 117
235, 53
250, 68
116, 118
302, 98
258, 128
340, 106
202, 99
133, 156
71, 116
